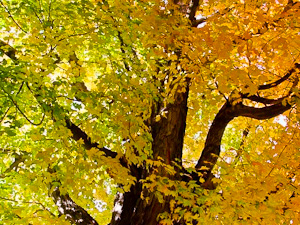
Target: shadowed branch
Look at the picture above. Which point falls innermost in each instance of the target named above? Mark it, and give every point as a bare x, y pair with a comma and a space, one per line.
279, 81
229, 111
88, 144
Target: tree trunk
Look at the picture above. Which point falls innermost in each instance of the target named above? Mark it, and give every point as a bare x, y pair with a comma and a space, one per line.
131, 209
168, 134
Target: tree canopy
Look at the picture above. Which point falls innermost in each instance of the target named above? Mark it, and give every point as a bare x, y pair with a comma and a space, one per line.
149, 112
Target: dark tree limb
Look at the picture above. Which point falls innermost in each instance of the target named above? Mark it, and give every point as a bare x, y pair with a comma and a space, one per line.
261, 113
14, 166
263, 100
122, 44
211, 149
229, 111
196, 23
267, 101
76, 131
279, 81
66, 206
73, 212
88, 144
10, 16
193, 9
8, 50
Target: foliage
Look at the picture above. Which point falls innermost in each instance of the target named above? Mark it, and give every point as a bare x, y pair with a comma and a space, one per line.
93, 100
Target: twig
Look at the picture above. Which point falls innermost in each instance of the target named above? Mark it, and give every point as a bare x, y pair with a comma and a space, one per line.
49, 12
279, 156
23, 114
10, 15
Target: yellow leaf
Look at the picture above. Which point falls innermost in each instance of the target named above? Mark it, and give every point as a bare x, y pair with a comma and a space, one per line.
157, 118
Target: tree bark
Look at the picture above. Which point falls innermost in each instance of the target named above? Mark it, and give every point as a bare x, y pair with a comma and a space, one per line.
168, 134
73, 212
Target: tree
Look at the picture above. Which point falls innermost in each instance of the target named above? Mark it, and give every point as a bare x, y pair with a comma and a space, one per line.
161, 112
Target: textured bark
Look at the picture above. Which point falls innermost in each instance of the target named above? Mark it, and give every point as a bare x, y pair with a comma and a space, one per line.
73, 212
136, 211
227, 113
168, 134
88, 144
211, 149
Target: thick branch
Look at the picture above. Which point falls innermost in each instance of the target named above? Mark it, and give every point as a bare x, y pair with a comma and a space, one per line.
66, 206
193, 9
18, 159
263, 100
73, 212
196, 23
211, 149
227, 113
88, 144
76, 131
279, 81
261, 113
267, 101
8, 50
